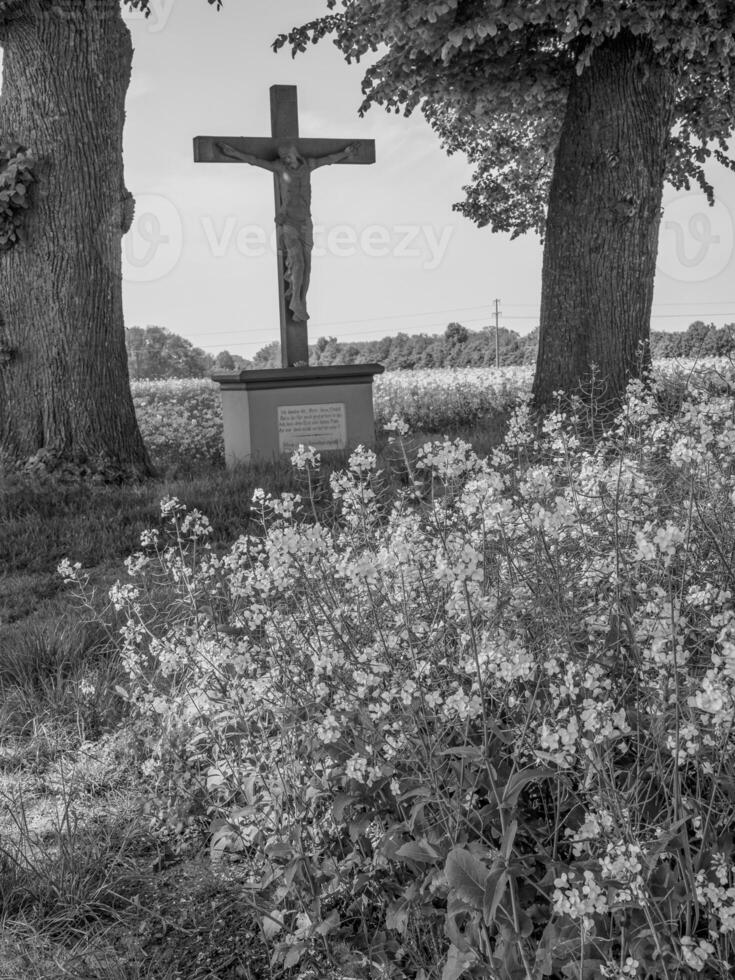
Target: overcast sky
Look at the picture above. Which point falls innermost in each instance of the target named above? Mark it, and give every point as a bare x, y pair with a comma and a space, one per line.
390, 254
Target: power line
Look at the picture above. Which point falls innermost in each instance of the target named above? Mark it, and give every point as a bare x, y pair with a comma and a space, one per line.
706, 302
685, 316
393, 316
497, 333
351, 333
423, 327
403, 316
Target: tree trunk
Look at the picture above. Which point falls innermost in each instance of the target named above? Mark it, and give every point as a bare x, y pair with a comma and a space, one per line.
602, 225
64, 385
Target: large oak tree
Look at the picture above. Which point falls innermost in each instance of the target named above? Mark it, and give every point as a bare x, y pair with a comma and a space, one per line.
575, 112
64, 386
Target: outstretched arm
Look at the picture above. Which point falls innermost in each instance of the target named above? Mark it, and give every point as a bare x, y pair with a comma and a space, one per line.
234, 154
346, 154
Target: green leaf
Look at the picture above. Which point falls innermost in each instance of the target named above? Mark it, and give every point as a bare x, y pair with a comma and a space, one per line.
329, 924
494, 891
464, 751
588, 969
272, 923
340, 804
520, 779
467, 876
457, 963
506, 845
397, 917
419, 851
293, 955
358, 827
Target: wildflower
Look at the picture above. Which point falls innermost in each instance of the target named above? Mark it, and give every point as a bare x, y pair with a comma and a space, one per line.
448, 460
124, 595
356, 768
286, 505
622, 862
714, 699
695, 953
398, 426
136, 563
362, 461
328, 729
579, 899
625, 971
460, 706
664, 542
86, 688
688, 745
591, 830
171, 506
69, 572
559, 744
718, 895
195, 525
149, 538
306, 457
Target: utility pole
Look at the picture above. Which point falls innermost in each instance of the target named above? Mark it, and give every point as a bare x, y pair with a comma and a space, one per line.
497, 332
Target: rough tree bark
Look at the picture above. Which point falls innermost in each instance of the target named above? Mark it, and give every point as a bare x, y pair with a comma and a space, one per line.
603, 221
65, 387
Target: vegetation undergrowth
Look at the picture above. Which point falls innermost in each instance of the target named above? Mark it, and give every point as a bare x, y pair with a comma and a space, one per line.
431, 716
478, 726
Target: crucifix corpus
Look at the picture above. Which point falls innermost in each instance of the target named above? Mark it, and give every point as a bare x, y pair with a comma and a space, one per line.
291, 160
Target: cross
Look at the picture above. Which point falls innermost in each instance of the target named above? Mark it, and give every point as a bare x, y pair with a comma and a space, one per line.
294, 246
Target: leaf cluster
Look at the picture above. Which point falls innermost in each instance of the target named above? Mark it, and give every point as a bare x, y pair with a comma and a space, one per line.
16, 177
492, 79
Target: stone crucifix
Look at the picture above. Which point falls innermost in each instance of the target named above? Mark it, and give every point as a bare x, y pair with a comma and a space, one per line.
291, 160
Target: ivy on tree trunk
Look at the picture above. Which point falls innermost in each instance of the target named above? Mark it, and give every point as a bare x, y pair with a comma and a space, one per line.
64, 389
602, 225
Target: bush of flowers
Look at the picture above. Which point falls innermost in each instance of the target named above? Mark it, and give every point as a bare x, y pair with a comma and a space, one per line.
433, 400
480, 727
180, 420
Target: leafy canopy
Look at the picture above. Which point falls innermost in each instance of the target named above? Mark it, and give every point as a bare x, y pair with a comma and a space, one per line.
492, 77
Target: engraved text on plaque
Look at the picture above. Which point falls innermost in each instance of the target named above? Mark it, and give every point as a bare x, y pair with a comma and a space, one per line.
322, 426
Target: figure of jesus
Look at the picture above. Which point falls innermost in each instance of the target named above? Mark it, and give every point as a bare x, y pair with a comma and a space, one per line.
293, 172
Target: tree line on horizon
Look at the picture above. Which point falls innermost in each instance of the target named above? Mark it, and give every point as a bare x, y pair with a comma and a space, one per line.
157, 353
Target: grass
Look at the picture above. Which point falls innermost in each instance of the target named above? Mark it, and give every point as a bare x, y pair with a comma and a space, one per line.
87, 889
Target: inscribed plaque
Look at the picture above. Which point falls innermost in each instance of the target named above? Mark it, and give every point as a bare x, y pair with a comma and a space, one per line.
322, 426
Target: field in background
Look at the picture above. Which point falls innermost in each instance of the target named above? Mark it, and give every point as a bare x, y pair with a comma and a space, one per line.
182, 419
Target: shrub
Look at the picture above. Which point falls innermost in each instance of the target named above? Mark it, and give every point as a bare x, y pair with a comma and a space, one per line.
480, 728
180, 420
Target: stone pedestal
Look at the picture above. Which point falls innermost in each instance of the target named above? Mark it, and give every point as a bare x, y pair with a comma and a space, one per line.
269, 413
